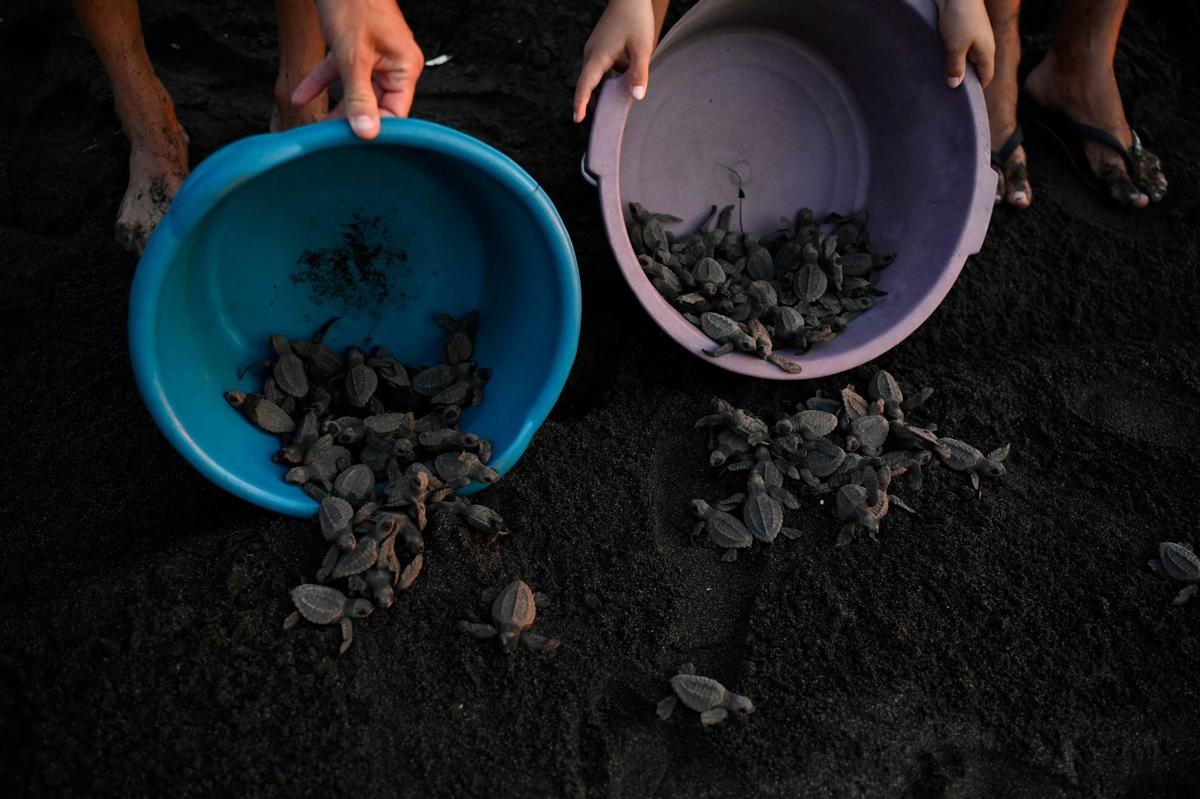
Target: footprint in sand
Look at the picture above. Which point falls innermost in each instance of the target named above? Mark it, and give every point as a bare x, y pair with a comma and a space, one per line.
1148, 411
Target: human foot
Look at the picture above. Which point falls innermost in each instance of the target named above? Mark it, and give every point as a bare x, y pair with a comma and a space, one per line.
1008, 156
1088, 94
158, 164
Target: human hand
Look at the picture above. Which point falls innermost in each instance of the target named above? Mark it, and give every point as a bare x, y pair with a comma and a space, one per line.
623, 39
373, 50
967, 35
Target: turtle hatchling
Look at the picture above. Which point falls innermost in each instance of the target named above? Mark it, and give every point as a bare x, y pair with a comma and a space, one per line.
966, 458
321, 604
704, 695
1179, 562
723, 529
513, 612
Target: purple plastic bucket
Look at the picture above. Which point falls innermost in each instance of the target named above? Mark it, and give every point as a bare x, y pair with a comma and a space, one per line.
830, 104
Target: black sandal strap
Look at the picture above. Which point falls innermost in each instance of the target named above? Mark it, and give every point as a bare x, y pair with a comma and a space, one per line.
1088, 132
1000, 157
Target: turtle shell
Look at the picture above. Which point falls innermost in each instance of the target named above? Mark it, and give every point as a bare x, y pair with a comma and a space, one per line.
335, 515
816, 423
357, 560
361, 382
871, 431
1179, 562
718, 326
726, 531
962, 455
356, 484
763, 516
883, 386
514, 608
810, 283
825, 458
319, 604
698, 693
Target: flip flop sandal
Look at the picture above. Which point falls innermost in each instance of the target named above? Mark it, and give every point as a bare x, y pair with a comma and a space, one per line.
1000, 157
1071, 134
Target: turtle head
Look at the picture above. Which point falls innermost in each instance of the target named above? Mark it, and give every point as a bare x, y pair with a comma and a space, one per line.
360, 609
740, 704
991, 468
235, 398
508, 639
700, 508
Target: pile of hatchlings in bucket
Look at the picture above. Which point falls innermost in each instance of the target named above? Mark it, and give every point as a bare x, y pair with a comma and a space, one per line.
798, 287
378, 445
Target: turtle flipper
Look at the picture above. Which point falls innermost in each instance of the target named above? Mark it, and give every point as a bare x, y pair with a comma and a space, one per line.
347, 626
714, 716
666, 706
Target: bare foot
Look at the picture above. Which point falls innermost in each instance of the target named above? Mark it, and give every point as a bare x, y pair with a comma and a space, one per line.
1001, 97
158, 164
1088, 93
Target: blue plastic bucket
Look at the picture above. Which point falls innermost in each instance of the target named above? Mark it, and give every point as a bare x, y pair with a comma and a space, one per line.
261, 239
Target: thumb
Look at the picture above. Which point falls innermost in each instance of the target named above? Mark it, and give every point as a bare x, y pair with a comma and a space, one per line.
956, 65
638, 72
359, 96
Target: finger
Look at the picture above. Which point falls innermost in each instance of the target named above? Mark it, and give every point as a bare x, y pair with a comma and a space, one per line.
639, 73
399, 88
358, 95
589, 77
956, 65
315, 82
984, 59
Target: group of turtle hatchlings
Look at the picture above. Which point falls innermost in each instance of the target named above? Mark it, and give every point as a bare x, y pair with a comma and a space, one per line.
799, 286
851, 446
377, 444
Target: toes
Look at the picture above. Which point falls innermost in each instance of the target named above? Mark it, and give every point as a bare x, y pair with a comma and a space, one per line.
1121, 188
1150, 178
999, 187
1016, 180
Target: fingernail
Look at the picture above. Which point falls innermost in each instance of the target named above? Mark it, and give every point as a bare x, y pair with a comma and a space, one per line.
638, 92
361, 124
954, 81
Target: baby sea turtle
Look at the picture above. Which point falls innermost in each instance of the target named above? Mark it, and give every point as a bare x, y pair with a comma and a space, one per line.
361, 380
321, 604
723, 529
811, 424
745, 424
727, 333
705, 695
335, 516
265, 414
513, 612
1179, 562
460, 346
966, 458
763, 513
868, 433
460, 468
288, 372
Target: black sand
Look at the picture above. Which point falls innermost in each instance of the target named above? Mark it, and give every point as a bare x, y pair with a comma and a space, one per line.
1014, 645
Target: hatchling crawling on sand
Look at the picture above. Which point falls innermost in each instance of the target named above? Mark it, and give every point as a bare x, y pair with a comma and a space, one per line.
1179, 562
321, 604
704, 695
513, 612
966, 458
